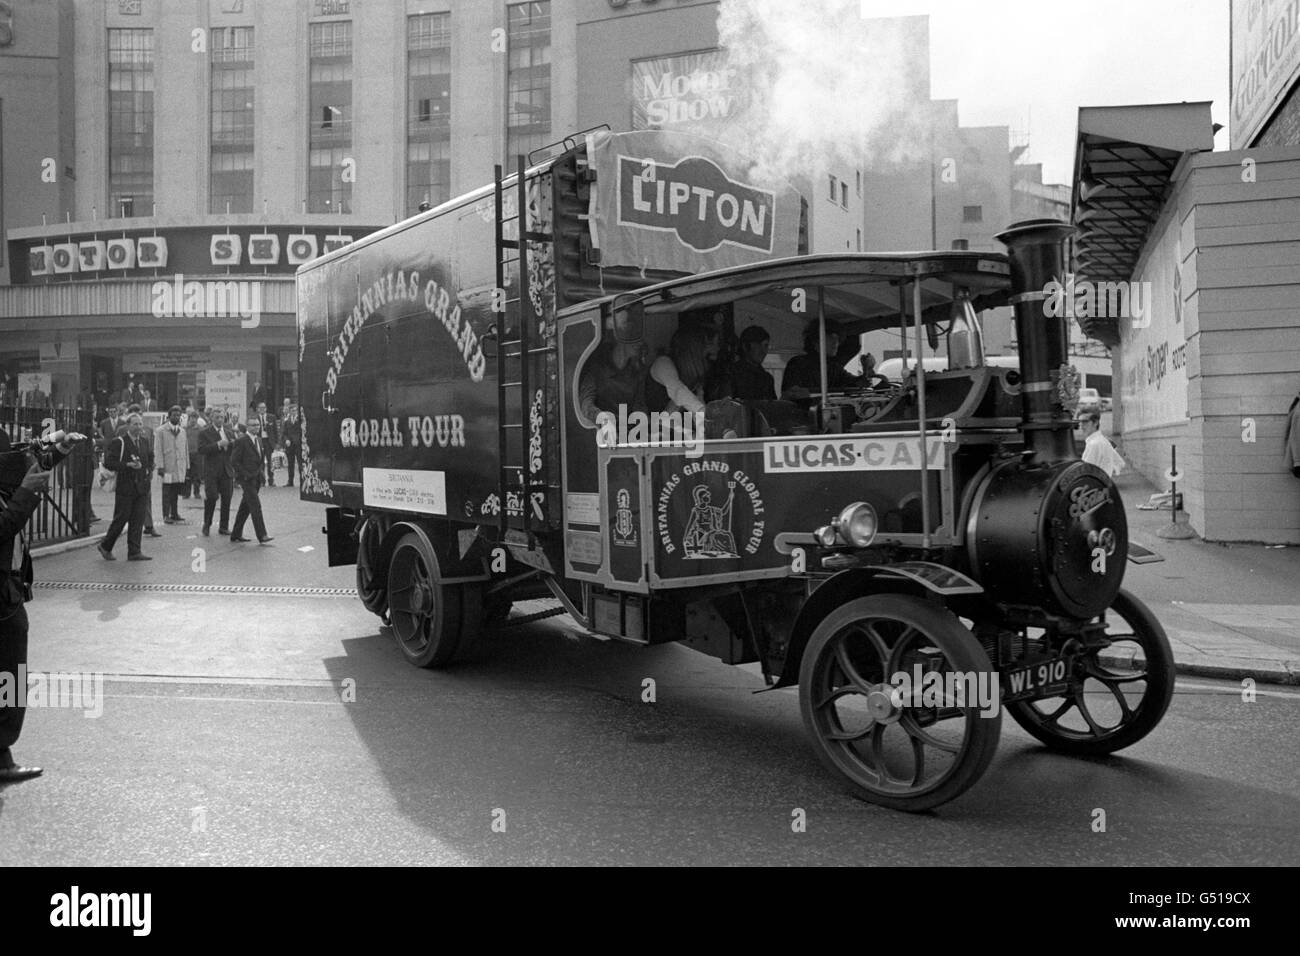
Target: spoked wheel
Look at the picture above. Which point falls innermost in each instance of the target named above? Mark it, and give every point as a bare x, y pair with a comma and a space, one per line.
426, 614
372, 588
1117, 692
903, 751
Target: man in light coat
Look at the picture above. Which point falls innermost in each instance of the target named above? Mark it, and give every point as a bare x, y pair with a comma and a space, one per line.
171, 455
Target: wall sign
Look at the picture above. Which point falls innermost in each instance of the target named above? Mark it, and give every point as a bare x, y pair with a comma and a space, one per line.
1265, 62
90, 254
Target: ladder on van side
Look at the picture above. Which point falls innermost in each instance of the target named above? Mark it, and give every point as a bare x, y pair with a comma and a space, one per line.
515, 347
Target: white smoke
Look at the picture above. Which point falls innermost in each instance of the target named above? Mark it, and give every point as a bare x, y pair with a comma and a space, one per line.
827, 84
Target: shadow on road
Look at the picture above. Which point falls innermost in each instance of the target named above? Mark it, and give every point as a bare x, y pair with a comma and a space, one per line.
548, 733
107, 604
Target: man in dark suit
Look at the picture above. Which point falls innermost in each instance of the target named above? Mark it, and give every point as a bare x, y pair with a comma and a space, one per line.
263, 428
215, 442
122, 425
131, 457
21, 484
291, 438
246, 459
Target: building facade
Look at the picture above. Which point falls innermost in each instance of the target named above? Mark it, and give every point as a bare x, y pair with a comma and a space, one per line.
167, 164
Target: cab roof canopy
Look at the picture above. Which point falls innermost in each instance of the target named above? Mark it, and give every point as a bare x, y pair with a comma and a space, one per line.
860, 292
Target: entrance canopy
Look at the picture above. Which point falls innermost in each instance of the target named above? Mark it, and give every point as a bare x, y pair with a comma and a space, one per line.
1124, 163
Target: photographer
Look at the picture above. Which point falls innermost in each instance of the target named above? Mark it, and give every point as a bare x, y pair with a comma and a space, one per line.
131, 456
18, 499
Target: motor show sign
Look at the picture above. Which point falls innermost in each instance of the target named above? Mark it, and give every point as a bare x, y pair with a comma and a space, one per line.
658, 208
1265, 62
702, 92
122, 254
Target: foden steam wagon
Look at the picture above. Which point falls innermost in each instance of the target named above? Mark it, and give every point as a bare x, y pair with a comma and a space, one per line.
916, 555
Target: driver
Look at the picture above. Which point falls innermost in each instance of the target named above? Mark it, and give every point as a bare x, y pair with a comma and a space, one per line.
614, 375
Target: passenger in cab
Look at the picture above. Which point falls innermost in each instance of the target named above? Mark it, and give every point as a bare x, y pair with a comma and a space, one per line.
750, 382
614, 375
870, 376
686, 380
803, 373
677, 379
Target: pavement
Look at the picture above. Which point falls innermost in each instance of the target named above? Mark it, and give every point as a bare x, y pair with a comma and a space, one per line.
1231, 611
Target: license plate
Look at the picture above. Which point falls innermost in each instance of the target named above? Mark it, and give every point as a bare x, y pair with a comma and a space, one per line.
1048, 677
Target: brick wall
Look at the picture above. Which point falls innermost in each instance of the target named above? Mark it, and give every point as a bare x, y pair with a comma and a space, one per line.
1284, 128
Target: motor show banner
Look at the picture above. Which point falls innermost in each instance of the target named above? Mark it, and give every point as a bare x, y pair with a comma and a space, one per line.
1265, 62
697, 92
663, 204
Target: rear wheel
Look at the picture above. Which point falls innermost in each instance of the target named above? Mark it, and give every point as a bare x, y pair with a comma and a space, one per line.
372, 586
1118, 691
899, 750
427, 615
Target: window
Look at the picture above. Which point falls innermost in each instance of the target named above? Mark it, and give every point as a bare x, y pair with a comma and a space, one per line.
972, 213
329, 138
230, 177
844, 195
835, 193
528, 78
428, 120
130, 122
858, 174
859, 240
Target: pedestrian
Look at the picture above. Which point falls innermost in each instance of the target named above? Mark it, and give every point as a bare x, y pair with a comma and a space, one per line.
215, 442
21, 483
122, 428
171, 456
131, 457
1291, 437
1096, 449
263, 427
247, 460
81, 476
194, 472
291, 437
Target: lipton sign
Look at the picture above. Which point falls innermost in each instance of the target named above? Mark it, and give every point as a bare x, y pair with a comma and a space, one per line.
676, 201
696, 200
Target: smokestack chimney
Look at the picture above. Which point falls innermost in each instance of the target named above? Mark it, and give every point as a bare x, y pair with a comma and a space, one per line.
1036, 248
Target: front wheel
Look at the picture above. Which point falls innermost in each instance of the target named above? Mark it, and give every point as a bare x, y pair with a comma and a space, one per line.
909, 745
1118, 691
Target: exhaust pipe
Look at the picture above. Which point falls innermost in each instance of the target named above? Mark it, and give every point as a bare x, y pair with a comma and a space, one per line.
1036, 249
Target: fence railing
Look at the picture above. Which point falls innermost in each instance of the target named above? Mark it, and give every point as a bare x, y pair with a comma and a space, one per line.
64, 511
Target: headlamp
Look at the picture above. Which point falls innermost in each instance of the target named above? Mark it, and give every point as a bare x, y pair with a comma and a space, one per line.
857, 524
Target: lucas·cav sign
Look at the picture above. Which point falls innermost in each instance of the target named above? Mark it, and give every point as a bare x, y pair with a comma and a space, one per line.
696, 200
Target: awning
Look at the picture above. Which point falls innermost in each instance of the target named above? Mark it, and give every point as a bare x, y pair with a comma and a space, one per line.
1124, 162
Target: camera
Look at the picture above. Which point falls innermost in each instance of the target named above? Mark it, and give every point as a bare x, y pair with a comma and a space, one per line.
15, 462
